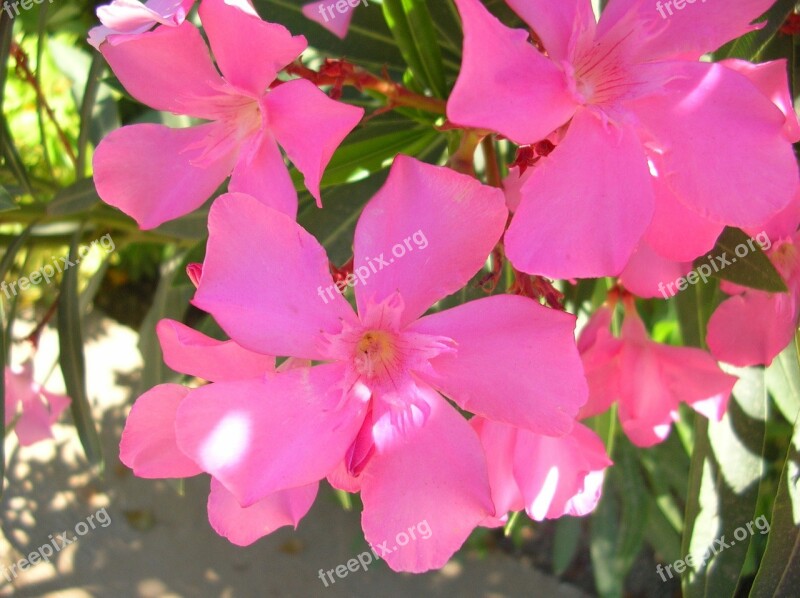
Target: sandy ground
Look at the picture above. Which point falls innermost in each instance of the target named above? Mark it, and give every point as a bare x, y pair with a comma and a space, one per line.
156, 542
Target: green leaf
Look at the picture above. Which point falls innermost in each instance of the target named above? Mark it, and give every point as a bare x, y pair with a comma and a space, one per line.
6, 201
169, 302
368, 43
740, 259
88, 102
617, 527
12, 158
565, 544
80, 197
411, 25
783, 383
779, 572
358, 159
727, 469
8, 257
71, 360
753, 45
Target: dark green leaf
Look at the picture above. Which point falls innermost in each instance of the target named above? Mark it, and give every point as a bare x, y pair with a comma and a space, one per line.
6, 201
411, 25
88, 102
359, 159
617, 528
565, 545
169, 302
740, 259
71, 360
368, 43
8, 257
727, 469
753, 45
779, 573
77, 198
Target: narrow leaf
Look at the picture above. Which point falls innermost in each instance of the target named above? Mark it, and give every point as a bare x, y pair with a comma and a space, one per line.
779, 573
6, 201
78, 198
71, 360
740, 259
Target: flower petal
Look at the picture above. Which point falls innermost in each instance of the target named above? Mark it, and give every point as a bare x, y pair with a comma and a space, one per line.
529, 95
698, 234
586, 206
434, 229
148, 445
436, 482
656, 378
264, 435
600, 355
689, 31
772, 79
560, 25
337, 23
249, 51
553, 472
243, 526
262, 173
151, 172
168, 69
724, 152
273, 302
650, 275
752, 328
515, 362
498, 441
309, 126
190, 352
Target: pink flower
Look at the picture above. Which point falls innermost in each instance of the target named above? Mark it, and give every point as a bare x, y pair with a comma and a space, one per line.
638, 104
664, 256
647, 379
327, 14
130, 17
548, 476
34, 408
154, 173
370, 416
753, 327
149, 445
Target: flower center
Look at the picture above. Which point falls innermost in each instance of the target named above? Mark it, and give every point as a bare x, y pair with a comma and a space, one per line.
377, 355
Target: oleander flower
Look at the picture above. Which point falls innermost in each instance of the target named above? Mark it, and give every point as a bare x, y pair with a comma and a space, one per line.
630, 102
156, 173
131, 17
369, 415
752, 327
34, 408
149, 446
648, 380
547, 476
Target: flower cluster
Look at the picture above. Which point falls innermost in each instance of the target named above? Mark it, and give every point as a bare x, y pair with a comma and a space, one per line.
454, 416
